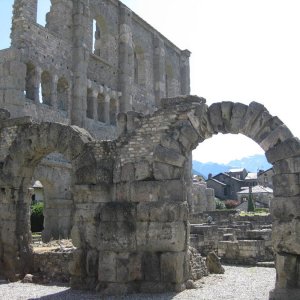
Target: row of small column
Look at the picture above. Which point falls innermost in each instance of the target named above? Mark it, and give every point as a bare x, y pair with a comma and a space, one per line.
50, 90
103, 104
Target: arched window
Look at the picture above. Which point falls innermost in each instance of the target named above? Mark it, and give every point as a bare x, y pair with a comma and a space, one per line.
101, 108
45, 88
62, 94
30, 80
113, 111
90, 104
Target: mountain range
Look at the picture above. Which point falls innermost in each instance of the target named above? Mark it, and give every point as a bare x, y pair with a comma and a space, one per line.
251, 164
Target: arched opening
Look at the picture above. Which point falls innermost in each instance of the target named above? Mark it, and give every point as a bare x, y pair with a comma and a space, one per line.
62, 94
113, 108
43, 7
54, 174
30, 81
101, 108
90, 104
45, 88
99, 36
48, 154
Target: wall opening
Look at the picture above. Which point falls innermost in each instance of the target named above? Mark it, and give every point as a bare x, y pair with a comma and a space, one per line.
43, 7
113, 111
62, 94
232, 171
90, 104
30, 81
51, 190
101, 108
45, 88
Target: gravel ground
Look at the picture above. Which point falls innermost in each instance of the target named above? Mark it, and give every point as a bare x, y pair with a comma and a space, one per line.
238, 283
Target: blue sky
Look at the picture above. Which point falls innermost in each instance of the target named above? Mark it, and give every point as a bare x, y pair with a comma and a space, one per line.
241, 51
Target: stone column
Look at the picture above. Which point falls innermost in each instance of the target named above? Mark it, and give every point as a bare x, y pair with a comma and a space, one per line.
81, 19
185, 72
107, 109
37, 85
54, 91
159, 70
126, 59
95, 105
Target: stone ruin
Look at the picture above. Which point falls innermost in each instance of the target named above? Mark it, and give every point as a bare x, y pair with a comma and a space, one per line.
130, 188
130, 222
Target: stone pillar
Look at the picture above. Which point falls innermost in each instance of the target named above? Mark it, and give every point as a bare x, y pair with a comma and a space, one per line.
106, 109
126, 59
185, 72
159, 70
54, 91
37, 85
81, 19
95, 105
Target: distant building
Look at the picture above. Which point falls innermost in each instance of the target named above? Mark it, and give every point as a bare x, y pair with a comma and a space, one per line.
264, 178
238, 173
251, 179
225, 186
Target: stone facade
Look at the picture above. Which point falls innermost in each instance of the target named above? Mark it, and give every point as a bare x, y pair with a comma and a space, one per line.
92, 60
130, 222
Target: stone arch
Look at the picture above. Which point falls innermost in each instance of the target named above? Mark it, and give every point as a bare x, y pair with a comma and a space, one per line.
33, 142
158, 175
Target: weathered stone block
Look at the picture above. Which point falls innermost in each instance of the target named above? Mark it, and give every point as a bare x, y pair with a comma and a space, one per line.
174, 267
159, 236
253, 111
199, 118
286, 185
122, 192
285, 208
162, 171
107, 269
215, 117
262, 119
129, 267
288, 271
265, 128
277, 136
92, 263
162, 211
289, 165
142, 170
168, 156
116, 211
117, 236
127, 172
237, 115
286, 236
143, 191
188, 135
287, 149
151, 266
169, 142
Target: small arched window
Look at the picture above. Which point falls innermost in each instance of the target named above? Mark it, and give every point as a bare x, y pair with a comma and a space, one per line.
45, 88
101, 108
30, 81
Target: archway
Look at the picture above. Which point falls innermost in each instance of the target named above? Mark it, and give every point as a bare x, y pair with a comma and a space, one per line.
158, 174
31, 145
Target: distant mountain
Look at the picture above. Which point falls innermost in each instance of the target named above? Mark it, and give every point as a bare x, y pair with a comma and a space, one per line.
251, 164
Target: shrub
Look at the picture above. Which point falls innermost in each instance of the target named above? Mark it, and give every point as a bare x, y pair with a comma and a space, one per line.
231, 204
219, 204
37, 217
